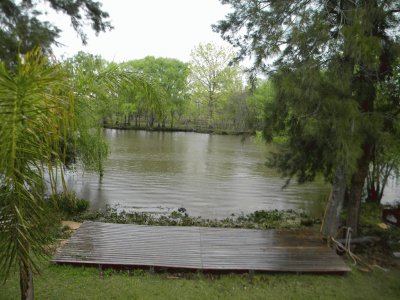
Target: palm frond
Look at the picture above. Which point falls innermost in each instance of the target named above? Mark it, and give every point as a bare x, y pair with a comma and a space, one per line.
32, 118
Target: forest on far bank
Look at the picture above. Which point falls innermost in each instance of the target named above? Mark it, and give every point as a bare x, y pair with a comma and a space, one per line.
207, 94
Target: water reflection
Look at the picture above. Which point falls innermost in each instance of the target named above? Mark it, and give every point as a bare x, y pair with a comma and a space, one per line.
209, 175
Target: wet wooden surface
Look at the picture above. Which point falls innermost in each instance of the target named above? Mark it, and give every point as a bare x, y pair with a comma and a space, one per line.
199, 248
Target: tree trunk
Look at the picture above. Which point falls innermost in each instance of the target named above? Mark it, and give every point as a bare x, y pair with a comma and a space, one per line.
150, 120
26, 282
172, 119
336, 199
137, 119
210, 107
356, 188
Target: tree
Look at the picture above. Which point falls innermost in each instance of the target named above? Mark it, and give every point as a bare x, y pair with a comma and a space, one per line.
47, 112
234, 114
327, 60
22, 30
385, 154
384, 165
97, 86
212, 76
171, 76
34, 114
93, 99
257, 102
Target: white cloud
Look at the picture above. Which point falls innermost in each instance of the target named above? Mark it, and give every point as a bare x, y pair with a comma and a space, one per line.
162, 28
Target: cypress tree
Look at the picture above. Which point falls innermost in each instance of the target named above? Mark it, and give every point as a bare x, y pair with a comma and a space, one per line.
328, 61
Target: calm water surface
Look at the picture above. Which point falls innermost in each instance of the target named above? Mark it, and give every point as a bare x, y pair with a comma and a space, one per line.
210, 175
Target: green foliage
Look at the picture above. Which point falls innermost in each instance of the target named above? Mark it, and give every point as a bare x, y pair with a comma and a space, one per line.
371, 217
71, 282
371, 214
260, 219
45, 111
259, 103
385, 157
168, 102
90, 101
213, 78
321, 128
327, 71
328, 61
68, 203
35, 112
170, 75
22, 26
97, 85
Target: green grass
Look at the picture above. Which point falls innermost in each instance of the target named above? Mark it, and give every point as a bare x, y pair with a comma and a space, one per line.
65, 282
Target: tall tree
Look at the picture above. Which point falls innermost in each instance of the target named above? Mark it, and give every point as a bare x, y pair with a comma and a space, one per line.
261, 97
93, 99
35, 112
171, 76
386, 152
212, 76
97, 86
45, 111
327, 60
22, 29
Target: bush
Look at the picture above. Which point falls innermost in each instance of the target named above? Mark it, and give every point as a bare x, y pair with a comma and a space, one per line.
68, 203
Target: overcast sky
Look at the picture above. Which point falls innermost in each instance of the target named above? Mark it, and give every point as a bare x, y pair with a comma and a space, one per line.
161, 28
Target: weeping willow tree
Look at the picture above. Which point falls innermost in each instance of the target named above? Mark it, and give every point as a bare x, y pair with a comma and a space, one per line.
40, 110
97, 86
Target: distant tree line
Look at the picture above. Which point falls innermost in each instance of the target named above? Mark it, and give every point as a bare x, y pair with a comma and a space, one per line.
208, 93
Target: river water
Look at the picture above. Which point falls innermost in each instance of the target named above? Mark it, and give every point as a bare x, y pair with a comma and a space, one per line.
212, 176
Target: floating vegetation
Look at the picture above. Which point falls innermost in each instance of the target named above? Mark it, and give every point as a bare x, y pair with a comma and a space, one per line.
262, 219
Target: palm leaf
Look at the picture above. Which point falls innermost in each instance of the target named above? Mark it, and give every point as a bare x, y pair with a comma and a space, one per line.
31, 118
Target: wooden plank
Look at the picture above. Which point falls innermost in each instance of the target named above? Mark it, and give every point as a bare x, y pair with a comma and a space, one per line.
199, 248
131, 245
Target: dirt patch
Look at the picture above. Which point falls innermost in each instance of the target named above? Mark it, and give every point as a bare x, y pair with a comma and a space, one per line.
71, 224
68, 227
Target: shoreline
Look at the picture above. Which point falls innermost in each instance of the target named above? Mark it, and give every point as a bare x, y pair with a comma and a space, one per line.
260, 219
177, 129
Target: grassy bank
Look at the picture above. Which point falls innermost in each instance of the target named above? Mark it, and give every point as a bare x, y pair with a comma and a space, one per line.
380, 252
64, 282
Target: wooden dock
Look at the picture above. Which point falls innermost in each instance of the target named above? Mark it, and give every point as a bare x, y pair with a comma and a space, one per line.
199, 248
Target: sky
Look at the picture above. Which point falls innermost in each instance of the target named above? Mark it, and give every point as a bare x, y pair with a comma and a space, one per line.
160, 28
